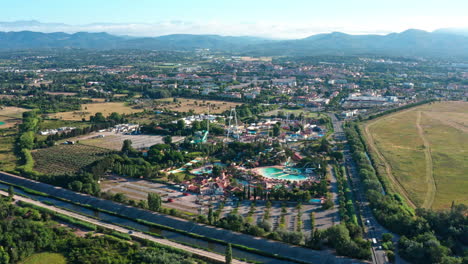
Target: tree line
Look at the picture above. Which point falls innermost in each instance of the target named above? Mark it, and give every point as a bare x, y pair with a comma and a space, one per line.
426, 236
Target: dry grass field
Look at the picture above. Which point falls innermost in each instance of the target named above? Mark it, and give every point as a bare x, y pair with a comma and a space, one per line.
198, 106
88, 110
424, 152
9, 116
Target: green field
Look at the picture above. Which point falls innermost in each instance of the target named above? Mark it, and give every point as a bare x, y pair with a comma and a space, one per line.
423, 152
45, 258
8, 159
62, 159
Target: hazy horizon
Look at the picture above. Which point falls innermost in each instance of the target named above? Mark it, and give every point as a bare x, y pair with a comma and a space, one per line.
261, 18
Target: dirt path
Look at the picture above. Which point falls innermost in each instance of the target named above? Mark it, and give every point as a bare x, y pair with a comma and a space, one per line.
388, 168
431, 187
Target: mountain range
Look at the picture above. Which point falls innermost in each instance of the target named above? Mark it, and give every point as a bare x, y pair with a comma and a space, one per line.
440, 43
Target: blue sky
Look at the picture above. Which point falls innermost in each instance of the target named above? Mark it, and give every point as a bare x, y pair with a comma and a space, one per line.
273, 18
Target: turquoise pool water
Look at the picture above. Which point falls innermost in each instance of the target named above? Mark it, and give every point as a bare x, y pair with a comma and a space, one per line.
315, 201
276, 173
202, 171
2, 123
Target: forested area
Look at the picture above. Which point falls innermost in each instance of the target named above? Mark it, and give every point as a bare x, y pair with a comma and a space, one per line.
45, 103
426, 236
25, 231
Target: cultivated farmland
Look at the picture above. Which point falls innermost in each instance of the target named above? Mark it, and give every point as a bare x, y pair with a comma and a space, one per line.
88, 110
66, 158
423, 152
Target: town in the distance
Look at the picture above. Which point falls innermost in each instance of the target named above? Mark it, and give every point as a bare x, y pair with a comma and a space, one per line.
207, 156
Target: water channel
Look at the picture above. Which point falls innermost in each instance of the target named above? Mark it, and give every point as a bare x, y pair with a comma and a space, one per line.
174, 236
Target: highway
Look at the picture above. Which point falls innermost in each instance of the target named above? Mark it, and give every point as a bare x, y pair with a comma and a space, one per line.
372, 228
195, 251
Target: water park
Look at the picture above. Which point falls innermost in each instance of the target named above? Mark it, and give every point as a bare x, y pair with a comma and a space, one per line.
281, 173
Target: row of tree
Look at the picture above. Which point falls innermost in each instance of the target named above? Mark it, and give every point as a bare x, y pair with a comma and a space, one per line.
427, 236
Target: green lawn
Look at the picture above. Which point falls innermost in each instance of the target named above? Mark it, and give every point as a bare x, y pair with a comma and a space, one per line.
45, 258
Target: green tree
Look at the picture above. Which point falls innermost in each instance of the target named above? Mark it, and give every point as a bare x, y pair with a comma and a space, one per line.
127, 147
228, 254
276, 130
386, 237
167, 139
98, 118
76, 186
4, 257
154, 201
216, 171
11, 192
210, 216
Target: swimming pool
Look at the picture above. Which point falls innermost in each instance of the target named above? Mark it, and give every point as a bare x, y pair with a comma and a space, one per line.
202, 171
275, 173
2, 123
315, 200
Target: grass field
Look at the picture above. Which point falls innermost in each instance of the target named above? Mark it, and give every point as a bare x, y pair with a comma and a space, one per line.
63, 159
423, 151
88, 110
198, 106
7, 157
9, 116
45, 258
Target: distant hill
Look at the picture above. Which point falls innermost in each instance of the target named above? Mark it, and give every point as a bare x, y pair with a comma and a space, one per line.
440, 43
408, 43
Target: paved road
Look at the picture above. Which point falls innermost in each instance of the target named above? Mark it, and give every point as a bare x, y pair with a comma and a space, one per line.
262, 244
334, 192
195, 251
372, 228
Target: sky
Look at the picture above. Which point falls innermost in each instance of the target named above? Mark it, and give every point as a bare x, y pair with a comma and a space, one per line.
264, 18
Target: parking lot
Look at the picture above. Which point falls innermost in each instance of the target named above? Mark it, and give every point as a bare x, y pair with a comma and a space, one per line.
137, 190
114, 140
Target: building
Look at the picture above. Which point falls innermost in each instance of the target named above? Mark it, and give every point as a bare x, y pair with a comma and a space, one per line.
291, 82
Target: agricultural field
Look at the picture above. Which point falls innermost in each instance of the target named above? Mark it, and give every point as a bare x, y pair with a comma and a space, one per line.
423, 151
10, 116
88, 110
63, 159
198, 106
7, 157
45, 258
